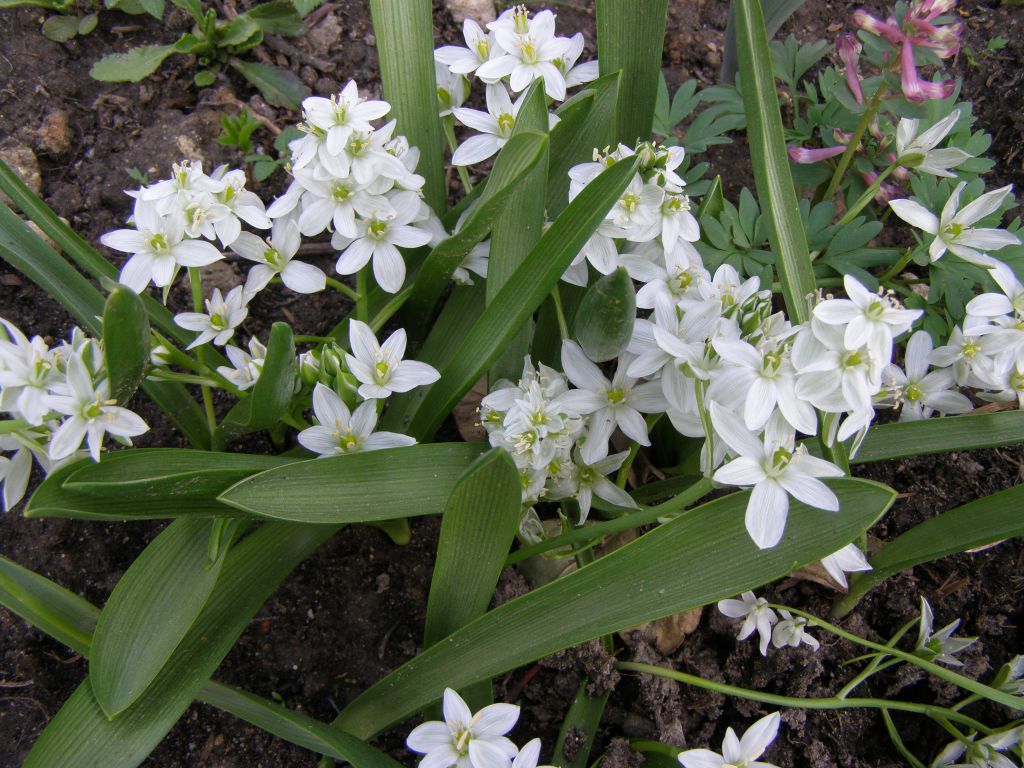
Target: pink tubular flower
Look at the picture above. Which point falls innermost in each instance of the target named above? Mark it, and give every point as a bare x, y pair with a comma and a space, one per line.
849, 49
914, 87
876, 26
886, 191
804, 156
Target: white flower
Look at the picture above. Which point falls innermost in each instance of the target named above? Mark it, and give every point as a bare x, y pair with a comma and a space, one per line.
871, 319
452, 88
922, 393
247, 365
223, 315
846, 560
479, 49
776, 470
275, 257
495, 126
755, 614
27, 372
953, 230
939, 646
338, 117
187, 180
465, 739
531, 49
528, 755
157, 247
576, 74
919, 152
983, 753
342, 431
737, 752
475, 261
791, 632
591, 480
16, 471
380, 367
989, 305
380, 238
92, 413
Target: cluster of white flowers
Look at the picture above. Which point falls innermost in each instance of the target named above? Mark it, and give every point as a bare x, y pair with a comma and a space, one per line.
54, 399
786, 631
515, 50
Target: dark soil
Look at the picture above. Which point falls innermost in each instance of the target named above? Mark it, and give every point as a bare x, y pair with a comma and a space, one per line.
355, 609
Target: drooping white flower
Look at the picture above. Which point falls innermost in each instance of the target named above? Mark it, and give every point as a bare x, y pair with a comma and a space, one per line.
15, 471
919, 151
276, 257
380, 367
791, 632
940, 645
953, 230
981, 753
341, 431
849, 559
919, 392
247, 366
756, 614
223, 315
452, 89
91, 414
737, 752
776, 470
464, 739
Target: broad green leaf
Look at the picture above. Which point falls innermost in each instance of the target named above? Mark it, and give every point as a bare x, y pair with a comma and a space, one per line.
357, 488
150, 611
270, 395
404, 30
951, 433
522, 153
478, 528
154, 8
132, 66
714, 201
518, 228
125, 342
305, 7
677, 566
241, 34
975, 524
586, 123
24, 250
59, 613
80, 734
278, 86
632, 42
278, 17
516, 302
604, 320
771, 163
580, 723
60, 29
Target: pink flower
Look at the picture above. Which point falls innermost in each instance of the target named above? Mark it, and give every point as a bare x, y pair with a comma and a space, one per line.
804, 156
876, 26
914, 87
849, 50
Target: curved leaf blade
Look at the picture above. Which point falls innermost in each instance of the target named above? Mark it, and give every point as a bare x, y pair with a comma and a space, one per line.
951, 433
604, 320
125, 342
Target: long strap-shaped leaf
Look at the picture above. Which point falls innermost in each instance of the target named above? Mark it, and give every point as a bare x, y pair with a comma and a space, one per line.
71, 620
514, 304
680, 565
631, 39
952, 433
771, 163
974, 524
405, 47
25, 251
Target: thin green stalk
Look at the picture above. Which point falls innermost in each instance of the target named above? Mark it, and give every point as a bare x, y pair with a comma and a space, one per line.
342, 288
596, 531
449, 133
705, 423
563, 327
867, 196
362, 298
877, 664
896, 268
634, 449
12, 425
897, 741
312, 339
795, 702
196, 280
951, 729
386, 312
966, 701
851, 147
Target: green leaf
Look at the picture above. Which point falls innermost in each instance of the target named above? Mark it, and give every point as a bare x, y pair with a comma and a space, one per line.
204, 78
87, 23
581, 722
479, 525
60, 29
776, 12
154, 8
279, 87
357, 488
270, 395
714, 201
516, 302
771, 163
975, 524
80, 734
404, 30
604, 320
125, 342
517, 158
132, 66
677, 566
306, 7
149, 612
951, 433
632, 42
278, 17
240, 34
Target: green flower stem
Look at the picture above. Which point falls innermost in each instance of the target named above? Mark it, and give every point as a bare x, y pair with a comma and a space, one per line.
388, 311
851, 147
313, 339
183, 359
634, 449
342, 288
12, 425
894, 737
590, 533
196, 280
795, 702
362, 289
705, 422
867, 196
966, 701
941, 672
896, 268
878, 663
563, 327
449, 133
